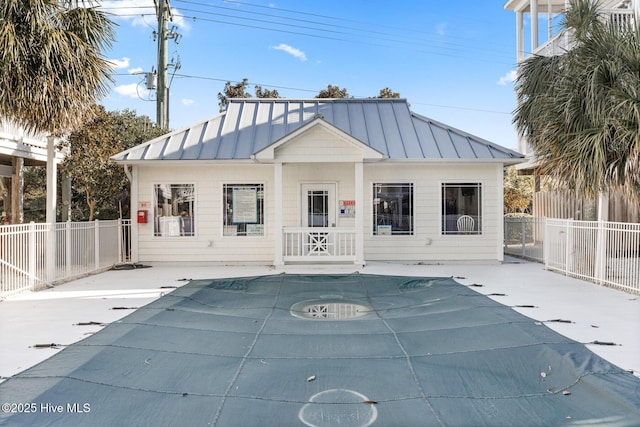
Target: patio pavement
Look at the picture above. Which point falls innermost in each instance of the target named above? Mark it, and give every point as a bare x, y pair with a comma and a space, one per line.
54, 316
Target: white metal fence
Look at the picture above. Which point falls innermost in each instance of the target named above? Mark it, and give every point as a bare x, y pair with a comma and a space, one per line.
33, 256
607, 253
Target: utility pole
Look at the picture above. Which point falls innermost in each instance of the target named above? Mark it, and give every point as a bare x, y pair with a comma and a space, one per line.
162, 103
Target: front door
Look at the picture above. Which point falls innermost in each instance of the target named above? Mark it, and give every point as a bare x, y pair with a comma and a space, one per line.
318, 211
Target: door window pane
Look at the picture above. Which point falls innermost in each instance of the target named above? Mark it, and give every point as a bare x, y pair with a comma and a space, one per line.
318, 208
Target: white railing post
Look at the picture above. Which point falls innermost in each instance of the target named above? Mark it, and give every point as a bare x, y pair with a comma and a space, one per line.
120, 239
97, 243
524, 236
601, 253
68, 247
50, 251
32, 255
546, 244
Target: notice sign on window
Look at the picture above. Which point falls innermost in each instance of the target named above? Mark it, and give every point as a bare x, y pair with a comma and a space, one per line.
245, 205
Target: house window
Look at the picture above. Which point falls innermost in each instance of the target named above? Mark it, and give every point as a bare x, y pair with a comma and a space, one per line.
174, 209
243, 209
392, 209
462, 208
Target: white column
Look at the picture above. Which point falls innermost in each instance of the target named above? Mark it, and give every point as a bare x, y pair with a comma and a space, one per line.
603, 206
359, 199
549, 20
534, 24
601, 239
52, 170
519, 36
500, 213
277, 213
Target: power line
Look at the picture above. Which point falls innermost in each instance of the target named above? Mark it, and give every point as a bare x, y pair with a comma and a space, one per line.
334, 32
326, 37
350, 30
315, 91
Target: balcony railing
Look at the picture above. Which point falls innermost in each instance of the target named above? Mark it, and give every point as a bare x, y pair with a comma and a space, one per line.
564, 41
314, 244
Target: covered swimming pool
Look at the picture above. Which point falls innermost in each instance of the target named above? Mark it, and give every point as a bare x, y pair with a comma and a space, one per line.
325, 350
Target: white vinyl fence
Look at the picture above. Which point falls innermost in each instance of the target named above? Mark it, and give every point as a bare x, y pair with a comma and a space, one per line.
34, 256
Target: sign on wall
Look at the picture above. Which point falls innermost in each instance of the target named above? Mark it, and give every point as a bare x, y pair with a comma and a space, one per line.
347, 208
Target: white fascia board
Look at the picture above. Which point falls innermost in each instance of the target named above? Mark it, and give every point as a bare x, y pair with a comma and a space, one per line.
506, 162
178, 162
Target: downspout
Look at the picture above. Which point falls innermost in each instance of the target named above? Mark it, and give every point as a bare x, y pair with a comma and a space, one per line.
127, 172
133, 202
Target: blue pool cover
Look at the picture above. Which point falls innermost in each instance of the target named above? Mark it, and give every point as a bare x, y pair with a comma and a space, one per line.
320, 350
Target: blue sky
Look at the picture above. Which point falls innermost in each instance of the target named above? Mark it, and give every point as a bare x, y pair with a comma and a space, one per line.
453, 61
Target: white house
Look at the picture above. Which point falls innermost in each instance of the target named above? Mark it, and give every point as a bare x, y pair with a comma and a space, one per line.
321, 180
18, 149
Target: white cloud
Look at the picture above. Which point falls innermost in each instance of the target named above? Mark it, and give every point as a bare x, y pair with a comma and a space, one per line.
510, 77
145, 12
132, 90
178, 20
187, 101
297, 53
137, 70
119, 63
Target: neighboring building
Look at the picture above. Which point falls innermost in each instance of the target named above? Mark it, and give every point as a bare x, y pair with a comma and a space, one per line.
18, 149
553, 40
339, 180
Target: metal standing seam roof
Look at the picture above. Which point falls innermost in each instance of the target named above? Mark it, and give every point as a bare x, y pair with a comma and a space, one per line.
250, 125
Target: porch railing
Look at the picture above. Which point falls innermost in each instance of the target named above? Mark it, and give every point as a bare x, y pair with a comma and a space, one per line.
33, 256
313, 244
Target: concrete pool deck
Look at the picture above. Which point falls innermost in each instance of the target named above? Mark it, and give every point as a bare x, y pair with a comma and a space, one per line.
70, 312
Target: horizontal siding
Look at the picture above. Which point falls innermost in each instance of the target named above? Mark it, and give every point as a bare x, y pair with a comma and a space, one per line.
427, 244
319, 146
209, 244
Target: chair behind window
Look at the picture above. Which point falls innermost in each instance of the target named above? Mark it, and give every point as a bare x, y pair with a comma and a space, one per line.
466, 224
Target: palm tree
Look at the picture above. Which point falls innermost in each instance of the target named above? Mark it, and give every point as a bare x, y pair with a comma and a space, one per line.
51, 69
51, 66
580, 111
